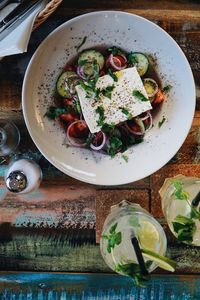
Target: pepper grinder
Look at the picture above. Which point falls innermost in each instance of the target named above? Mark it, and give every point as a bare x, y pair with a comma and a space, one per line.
23, 176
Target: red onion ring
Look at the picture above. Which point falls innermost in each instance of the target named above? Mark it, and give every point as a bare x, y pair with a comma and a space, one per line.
145, 117
124, 57
136, 132
151, 121
97, 148
76, 142
80, 72
110, 60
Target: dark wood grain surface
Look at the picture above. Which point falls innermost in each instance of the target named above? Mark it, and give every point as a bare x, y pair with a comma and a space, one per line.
54, 229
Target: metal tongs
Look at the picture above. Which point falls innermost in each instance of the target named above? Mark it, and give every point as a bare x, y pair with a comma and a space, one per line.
16, 16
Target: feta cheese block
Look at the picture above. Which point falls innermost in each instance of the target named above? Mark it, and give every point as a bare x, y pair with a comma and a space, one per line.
121, 98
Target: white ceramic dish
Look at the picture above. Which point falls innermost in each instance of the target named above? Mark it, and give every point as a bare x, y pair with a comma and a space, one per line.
132, 33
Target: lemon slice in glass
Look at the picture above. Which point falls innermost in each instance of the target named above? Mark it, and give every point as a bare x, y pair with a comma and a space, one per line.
148, 236
162, 261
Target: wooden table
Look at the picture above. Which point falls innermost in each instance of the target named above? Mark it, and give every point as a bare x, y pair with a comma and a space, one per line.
57, 227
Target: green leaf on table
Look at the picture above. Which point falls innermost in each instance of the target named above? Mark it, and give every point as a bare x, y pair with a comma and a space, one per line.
185, 228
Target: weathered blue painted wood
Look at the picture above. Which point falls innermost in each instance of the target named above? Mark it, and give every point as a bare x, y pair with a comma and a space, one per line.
42, 286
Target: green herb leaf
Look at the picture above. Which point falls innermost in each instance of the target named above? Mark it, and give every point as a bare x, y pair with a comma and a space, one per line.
160, 123
133, 270
125, 157
55, 112
107, 128
139, 95
83, 62
81, 44
185, 228
114, 77
132, 59
100, 110
113, 228
96, 72
115, 146
115, 51
195, 214
107, 92
126, 112
87, 88
179, 193
167, 88
114, 238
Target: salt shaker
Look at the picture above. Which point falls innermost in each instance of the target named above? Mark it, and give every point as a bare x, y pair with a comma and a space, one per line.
23, 176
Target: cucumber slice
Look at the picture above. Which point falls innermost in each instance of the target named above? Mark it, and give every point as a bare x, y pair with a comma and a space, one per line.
140, 61
62, 84
150, 86
90, 56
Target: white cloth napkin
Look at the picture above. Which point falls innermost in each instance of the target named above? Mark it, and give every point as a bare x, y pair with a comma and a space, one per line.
17, 40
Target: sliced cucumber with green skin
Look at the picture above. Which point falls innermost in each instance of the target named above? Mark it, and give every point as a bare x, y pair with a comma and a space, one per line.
150, 86
62, 84
91, 56
140, 61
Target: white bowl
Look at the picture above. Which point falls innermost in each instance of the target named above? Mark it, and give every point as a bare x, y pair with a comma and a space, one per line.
132, 33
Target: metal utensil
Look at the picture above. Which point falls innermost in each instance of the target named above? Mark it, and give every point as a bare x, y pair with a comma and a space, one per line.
4, 3
15, 17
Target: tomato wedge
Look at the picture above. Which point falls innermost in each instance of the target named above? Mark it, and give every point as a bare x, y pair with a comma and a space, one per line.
69, 117
79, 130
159, 97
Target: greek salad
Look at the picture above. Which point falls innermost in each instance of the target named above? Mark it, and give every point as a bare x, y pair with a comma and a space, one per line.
104, 99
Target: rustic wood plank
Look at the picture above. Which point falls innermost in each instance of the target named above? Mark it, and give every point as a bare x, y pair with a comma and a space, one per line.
157, 180
137, 4
97, 286
50, 206
106, 198
50, 249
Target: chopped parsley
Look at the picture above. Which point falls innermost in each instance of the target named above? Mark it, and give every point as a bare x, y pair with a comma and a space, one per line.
125, 157
113, 75
132, 59
184, 227
167, 88
126, 112
114, 146
160, 123
81, 44
82, 62
55, 112
139, 95
107, 92
115, 51
107, 128
100, 110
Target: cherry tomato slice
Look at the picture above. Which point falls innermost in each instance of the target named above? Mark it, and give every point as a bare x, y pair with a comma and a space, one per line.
69, 117
159, 98
67, 102
79, 130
